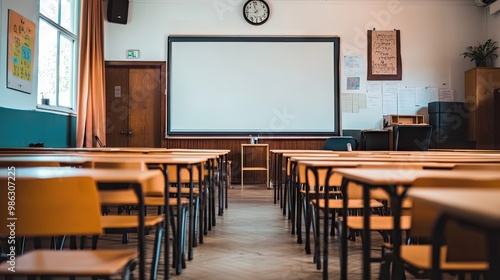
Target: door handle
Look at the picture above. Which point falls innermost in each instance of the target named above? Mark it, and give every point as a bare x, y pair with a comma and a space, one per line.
129, 133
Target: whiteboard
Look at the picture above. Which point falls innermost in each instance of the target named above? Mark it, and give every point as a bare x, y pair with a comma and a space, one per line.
253, 85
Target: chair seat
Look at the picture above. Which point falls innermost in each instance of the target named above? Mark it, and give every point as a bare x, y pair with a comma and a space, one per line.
118, 198
160, 201
128, 221
351, 204
419, 256
382, 195
378, 222
184, 191
312, 192
112, 198
81, 262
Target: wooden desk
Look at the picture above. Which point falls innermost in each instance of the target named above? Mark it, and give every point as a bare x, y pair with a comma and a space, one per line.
476, 207
187, 162
255, 168
389, 179
164, 160
277, 167
135, 178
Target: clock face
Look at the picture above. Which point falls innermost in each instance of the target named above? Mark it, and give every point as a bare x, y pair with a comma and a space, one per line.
256, 12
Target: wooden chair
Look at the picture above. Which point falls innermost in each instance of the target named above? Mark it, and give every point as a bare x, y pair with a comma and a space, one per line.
153, 196
192, 197
417, 258
384, 223
61, 206
335, 204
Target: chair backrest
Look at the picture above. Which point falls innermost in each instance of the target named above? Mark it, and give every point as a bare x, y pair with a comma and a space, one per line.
155, 186
477, 166
173, 173
30, 164
424, 217
412, 137
339, 143
116, 164
463, 243
51, 207
375, 140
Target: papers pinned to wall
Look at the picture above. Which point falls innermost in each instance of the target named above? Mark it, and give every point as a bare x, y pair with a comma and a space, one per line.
446, 94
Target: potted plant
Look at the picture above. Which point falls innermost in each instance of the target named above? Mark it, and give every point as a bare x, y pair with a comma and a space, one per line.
481, 53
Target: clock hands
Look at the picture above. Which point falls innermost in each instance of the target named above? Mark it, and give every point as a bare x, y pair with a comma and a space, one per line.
256, 11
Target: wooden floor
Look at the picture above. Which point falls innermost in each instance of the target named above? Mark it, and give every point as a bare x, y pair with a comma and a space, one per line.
252, 240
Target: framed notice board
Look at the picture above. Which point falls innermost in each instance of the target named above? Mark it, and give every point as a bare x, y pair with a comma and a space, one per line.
21, 46
384, 55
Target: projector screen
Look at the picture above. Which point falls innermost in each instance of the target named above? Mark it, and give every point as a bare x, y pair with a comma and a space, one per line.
253, 85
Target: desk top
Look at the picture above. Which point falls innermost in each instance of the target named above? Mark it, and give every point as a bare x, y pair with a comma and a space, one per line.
86, 157
475, 205
216, 151
407, 176
409, 159
397, 164
99, 175
278, 151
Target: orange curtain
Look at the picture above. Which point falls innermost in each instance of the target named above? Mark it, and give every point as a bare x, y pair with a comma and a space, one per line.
91, 119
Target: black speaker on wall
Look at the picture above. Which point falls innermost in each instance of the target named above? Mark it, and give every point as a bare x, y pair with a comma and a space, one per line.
118, 11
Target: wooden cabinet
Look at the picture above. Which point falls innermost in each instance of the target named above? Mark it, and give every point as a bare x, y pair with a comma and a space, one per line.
479, 86
252, 165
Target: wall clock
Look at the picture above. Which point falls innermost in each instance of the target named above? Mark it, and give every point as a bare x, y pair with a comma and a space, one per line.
256, 12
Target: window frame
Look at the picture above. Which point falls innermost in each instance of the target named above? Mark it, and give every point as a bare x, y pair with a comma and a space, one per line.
68, 35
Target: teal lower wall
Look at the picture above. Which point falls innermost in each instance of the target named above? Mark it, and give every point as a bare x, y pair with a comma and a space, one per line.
19, 128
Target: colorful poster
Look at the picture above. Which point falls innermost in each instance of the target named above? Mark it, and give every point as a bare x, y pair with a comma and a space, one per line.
21, 47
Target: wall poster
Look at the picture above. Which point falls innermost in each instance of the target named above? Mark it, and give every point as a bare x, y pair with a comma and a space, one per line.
21, 46
384, 55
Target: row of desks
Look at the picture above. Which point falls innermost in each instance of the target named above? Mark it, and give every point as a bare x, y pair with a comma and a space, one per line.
181, 158
388, 179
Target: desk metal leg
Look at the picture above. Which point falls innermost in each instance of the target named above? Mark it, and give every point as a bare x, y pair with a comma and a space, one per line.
166, 224
493, 255
177, 245
280, 179
343, 238
366, 233
228, 173
141, 239
191, 215
396, 200
220, 169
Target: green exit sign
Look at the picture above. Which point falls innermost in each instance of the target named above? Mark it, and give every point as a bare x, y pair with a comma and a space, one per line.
132, 53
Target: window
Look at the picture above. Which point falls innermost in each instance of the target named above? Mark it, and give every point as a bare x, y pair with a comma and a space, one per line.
58, 53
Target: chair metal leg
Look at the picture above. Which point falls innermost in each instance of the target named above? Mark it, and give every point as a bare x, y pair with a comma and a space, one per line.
95, 238
156, 251
385, 265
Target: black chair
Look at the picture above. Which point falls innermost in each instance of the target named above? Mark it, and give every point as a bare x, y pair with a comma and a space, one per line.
339, 143
412, 137
375, 140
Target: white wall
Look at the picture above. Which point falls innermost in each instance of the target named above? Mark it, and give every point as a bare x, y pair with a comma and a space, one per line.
433, 33
12, 98
494, 31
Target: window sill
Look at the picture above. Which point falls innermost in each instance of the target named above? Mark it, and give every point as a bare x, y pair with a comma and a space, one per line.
55, 109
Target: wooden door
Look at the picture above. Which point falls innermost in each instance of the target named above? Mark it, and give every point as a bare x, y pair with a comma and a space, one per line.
117, 106
135, 115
